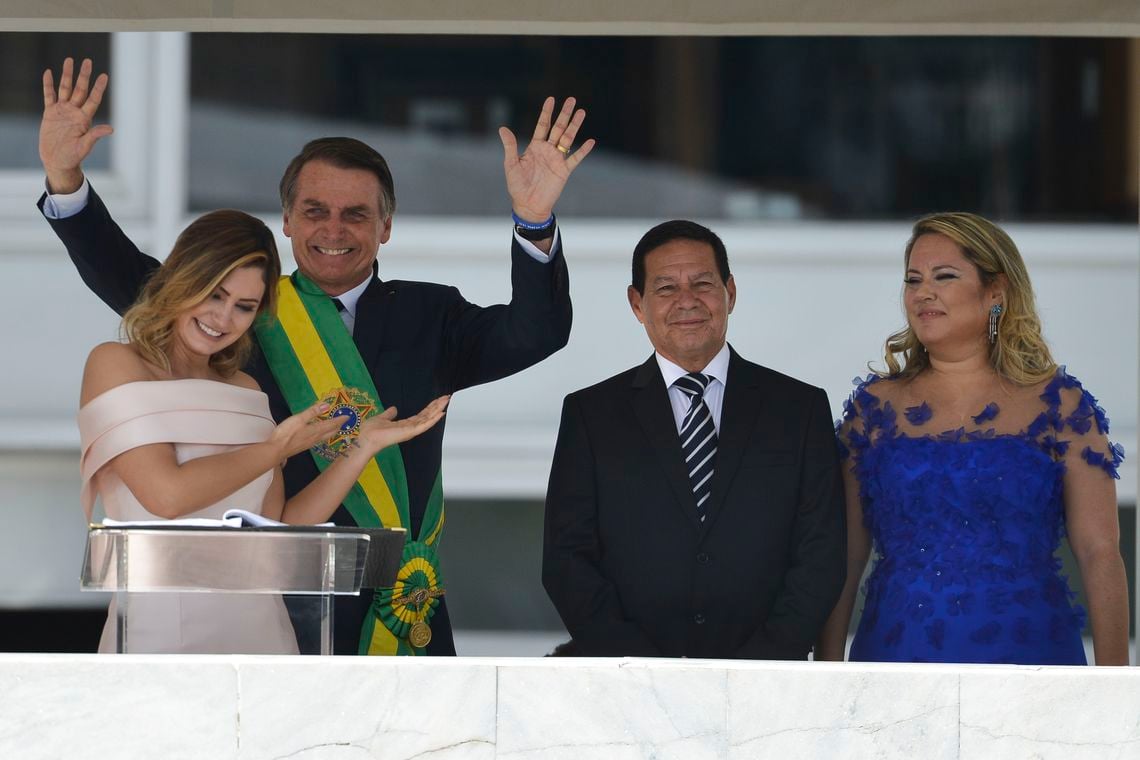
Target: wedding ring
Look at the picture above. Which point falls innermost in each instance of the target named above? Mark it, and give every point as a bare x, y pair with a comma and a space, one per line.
563, 149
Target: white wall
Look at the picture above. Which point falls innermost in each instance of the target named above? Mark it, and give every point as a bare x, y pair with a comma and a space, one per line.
816, 300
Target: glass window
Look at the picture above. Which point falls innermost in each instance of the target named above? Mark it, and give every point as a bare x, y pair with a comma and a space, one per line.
745, 128
23, 58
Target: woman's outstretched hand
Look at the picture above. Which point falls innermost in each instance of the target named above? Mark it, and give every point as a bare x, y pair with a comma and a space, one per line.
304, 430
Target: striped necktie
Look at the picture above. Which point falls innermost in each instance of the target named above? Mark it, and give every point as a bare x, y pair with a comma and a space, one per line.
698, 438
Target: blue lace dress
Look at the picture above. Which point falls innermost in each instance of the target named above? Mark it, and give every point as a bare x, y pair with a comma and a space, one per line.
966, 524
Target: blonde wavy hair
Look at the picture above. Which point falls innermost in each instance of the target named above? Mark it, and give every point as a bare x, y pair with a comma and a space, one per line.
213, 246
1019, 353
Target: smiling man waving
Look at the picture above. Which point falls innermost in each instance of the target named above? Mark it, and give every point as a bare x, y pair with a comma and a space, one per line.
404, 343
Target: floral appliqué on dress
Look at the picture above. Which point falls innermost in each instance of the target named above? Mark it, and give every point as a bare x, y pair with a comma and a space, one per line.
966, 524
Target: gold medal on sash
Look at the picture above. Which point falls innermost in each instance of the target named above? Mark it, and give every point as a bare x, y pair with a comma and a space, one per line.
420, 635
415, 603
354, 406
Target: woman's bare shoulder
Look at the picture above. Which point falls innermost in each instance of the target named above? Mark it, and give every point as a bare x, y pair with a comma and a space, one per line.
110, 365
245, 380
878, 389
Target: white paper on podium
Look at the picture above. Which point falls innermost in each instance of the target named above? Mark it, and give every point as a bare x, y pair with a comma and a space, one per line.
231, 518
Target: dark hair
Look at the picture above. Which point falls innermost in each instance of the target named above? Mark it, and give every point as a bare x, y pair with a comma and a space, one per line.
343, 153
213, 246
667, 232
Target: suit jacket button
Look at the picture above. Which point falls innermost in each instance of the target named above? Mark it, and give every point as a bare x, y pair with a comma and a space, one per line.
699, 618
703, 558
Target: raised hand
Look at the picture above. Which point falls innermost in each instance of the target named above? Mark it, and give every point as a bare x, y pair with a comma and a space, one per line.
67, 134
536, 178
304, 430
384, 430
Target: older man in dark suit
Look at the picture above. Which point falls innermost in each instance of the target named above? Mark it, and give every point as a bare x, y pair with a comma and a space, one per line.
695, 506
413, 341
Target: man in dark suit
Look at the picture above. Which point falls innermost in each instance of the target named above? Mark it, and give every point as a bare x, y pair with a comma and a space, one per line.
695, 503
417, 340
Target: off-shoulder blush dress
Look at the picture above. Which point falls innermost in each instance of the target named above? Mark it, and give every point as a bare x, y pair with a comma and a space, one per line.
199, 418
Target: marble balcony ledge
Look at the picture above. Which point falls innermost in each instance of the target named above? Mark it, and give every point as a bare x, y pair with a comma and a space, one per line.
217, 707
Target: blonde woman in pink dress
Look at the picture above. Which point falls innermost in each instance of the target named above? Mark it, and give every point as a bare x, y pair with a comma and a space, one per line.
171, 428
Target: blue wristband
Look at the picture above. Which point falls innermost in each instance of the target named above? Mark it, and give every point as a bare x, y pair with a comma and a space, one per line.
532, 225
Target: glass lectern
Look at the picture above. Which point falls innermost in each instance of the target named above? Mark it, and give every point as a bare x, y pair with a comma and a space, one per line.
306, 565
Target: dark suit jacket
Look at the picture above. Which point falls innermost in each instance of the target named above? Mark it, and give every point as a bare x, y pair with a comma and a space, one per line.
626, 562
419, 341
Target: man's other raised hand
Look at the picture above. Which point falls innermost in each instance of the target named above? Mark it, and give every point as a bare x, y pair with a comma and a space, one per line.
536, 178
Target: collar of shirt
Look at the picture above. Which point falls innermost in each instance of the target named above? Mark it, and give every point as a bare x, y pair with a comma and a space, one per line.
717, 368
349, 298
714, 393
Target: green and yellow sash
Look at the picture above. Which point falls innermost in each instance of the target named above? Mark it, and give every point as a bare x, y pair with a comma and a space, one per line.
310, 352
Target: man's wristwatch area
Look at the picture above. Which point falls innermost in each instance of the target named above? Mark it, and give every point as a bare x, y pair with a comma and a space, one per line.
528, 230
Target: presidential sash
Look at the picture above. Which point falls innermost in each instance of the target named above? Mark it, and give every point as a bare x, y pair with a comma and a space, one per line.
311, 355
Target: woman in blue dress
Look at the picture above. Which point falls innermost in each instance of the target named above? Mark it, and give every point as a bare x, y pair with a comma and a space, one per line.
966, 463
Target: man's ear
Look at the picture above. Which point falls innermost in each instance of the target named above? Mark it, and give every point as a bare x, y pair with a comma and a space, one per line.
387, 232
635, 302
285, 223
730, 286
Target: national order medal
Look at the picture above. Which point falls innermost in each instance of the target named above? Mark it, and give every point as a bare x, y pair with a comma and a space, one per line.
355, 406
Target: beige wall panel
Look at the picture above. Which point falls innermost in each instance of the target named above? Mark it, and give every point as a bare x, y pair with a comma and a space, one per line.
1115, 18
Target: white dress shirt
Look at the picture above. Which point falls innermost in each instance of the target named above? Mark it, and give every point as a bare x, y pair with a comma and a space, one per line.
717, 369
348, 300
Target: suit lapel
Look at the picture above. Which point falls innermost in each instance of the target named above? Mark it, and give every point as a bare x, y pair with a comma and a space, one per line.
739, 412
655, 415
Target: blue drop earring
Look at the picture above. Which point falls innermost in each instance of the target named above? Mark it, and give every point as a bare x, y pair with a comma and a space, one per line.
995, 314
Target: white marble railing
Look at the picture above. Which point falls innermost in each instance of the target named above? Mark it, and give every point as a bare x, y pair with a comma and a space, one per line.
127, 707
